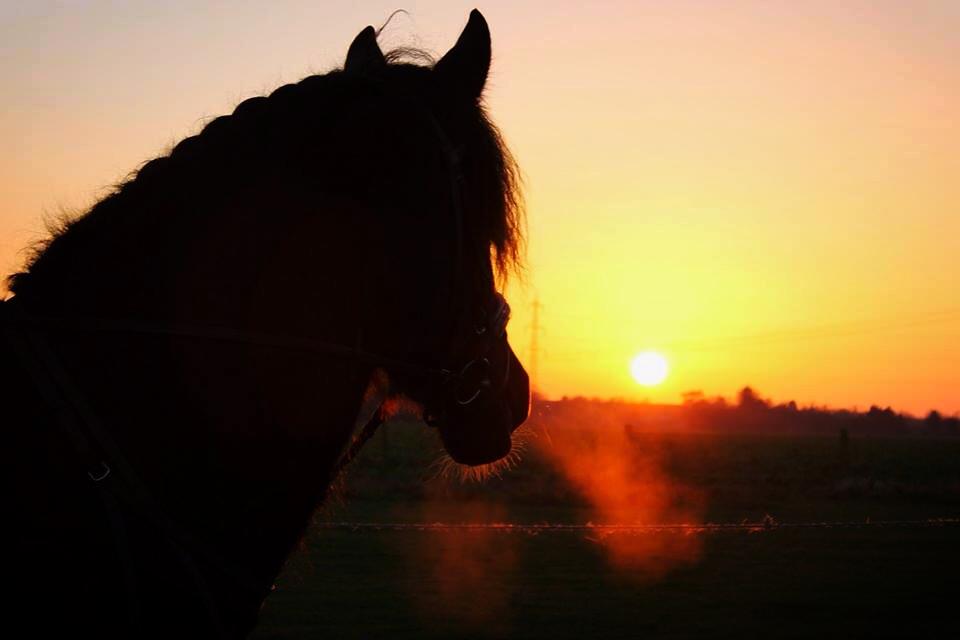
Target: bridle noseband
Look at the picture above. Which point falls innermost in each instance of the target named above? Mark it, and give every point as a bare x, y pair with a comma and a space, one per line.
474, 378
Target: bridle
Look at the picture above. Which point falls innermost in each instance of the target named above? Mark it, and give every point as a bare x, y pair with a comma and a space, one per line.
117, 483
466, 383
474, 377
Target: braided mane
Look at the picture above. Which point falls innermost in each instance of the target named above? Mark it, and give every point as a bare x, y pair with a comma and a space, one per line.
316, 136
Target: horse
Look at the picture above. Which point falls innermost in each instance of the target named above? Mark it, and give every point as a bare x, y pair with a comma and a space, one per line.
183, 365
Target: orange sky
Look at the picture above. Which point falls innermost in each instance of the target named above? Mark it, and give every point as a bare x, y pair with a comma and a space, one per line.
767, 192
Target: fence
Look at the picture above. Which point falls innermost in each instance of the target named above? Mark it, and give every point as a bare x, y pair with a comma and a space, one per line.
768, 524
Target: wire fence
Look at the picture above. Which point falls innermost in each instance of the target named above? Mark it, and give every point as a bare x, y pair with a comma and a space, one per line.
768, 524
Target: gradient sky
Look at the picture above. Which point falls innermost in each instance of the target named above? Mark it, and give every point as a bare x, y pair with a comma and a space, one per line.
767, 192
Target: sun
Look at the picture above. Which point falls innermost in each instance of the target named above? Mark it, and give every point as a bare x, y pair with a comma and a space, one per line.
649, 368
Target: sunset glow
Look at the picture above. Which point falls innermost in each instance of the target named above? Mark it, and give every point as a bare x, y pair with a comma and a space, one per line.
764, 190
484, 319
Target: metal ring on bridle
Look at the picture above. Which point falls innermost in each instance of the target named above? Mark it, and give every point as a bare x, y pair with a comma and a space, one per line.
483, 382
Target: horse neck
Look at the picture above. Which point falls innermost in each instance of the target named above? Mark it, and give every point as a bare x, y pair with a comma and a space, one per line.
236, 443
242, 463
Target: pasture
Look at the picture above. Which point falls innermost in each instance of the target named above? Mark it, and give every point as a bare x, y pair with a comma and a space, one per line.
776, 581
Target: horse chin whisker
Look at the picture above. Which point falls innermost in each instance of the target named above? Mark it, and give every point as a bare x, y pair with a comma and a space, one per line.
447, 469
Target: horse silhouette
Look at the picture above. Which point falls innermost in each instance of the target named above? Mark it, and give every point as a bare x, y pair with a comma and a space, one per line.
181, 368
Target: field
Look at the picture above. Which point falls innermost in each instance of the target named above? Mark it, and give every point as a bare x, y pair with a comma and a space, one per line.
856, 580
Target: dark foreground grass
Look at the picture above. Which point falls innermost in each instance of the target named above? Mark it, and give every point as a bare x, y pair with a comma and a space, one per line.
874, 582
853, 583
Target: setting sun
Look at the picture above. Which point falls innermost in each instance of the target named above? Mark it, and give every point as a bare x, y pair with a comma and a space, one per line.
649, 368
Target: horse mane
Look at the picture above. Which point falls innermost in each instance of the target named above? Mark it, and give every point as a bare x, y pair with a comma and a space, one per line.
264, 134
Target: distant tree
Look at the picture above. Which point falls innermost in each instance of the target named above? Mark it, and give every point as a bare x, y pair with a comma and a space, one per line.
693, 397
749, 399
883, 421
877, 412
933, 423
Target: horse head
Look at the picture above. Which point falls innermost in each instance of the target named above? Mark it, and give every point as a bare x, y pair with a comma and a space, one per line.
483, 394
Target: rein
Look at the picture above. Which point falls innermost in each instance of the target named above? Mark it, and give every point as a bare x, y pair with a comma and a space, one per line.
233, 336
111, 475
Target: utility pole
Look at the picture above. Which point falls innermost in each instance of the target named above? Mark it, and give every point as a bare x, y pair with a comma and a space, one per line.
535, 345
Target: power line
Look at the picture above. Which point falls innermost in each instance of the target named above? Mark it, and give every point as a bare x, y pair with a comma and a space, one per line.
787, 334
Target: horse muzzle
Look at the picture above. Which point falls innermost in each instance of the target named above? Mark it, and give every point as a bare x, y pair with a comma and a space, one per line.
479, 432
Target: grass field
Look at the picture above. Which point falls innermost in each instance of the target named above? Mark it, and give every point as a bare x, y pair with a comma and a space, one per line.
865, 582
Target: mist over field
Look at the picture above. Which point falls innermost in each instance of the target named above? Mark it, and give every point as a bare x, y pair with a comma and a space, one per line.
831, 510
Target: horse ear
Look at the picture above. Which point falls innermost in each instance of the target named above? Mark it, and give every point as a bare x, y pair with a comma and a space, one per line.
464, 68
364, 54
